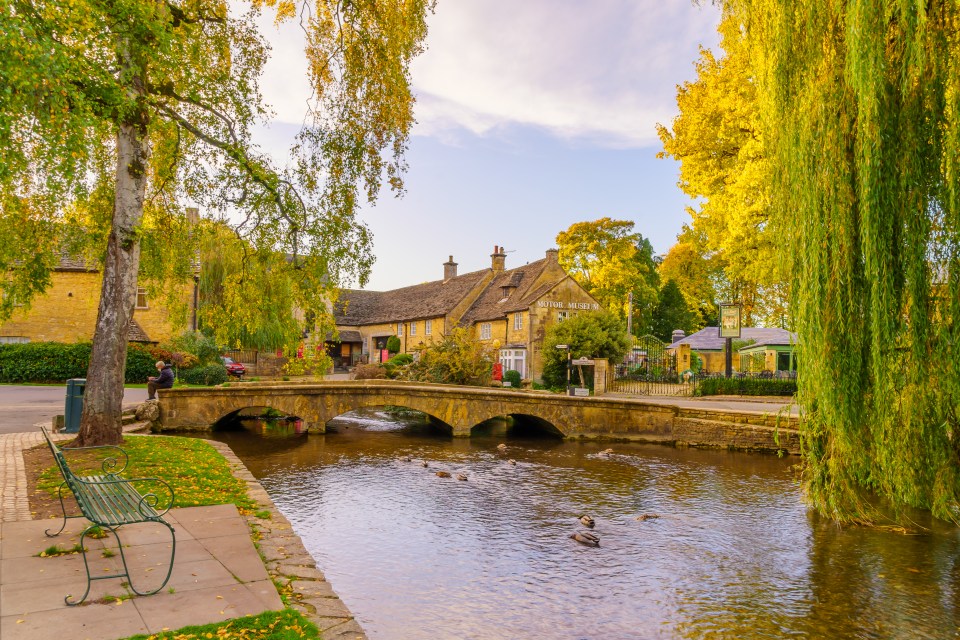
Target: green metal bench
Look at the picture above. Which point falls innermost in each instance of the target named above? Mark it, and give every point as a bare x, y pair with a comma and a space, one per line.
109, 502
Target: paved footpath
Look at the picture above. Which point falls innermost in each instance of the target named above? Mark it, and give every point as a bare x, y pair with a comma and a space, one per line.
217, 575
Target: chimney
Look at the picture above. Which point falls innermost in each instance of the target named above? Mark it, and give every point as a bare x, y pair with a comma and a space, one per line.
552, 255
498, 259
677, 335
449, 269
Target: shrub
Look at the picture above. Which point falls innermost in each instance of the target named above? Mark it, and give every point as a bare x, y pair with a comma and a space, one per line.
457, 359
200, 345
209, 375
513, 377
597, 334
369, 372
140, 364
58, 362
746, 387
393, 344
397, 362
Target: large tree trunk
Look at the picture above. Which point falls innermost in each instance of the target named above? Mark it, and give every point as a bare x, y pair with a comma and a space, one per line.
103, 398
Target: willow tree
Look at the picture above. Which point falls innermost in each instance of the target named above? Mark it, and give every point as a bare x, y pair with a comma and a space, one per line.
115, 115
862, 108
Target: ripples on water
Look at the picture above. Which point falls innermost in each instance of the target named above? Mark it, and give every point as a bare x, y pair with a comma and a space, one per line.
734, 554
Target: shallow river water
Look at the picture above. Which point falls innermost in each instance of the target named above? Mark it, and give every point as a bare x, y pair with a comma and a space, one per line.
733, 554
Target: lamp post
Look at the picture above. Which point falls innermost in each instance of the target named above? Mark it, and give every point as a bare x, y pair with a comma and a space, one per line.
569, 363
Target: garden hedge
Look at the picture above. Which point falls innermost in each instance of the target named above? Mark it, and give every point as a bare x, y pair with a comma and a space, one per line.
210, 375
58, 362
746, 387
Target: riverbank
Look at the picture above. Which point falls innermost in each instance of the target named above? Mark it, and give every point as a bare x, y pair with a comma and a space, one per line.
228, 564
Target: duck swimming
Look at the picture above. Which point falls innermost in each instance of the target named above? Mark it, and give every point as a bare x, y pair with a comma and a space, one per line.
443, 474
647, 516
424, 463
501, 447
588, 522
586, 538
461, 476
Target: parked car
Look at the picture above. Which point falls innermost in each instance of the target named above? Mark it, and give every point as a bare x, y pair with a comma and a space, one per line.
233, 368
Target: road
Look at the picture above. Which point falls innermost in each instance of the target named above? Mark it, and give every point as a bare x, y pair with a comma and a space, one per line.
21, 407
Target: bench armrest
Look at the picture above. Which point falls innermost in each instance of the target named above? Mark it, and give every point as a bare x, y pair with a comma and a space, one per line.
109, 465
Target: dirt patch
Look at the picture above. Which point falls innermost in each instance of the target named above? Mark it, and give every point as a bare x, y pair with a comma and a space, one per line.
43, 504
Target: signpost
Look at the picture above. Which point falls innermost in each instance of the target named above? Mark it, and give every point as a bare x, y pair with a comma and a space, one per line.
729, 329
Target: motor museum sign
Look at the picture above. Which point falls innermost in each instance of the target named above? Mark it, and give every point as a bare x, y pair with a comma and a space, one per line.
568, 305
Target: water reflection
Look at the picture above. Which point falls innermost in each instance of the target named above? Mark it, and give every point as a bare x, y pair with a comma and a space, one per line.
734, 553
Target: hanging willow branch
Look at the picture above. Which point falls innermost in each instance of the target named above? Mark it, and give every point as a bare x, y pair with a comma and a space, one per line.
861, 101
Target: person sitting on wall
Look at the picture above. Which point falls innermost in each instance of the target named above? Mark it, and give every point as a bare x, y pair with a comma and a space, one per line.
163, 381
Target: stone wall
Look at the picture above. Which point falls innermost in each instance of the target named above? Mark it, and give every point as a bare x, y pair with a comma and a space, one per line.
67, 312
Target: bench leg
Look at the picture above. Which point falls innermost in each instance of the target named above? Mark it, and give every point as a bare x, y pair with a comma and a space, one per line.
173, 552
64, 510
123, 559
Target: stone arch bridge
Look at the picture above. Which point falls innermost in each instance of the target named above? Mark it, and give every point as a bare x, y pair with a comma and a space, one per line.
462, 408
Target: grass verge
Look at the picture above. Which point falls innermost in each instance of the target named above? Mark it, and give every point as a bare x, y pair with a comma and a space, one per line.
195, 470
271, 625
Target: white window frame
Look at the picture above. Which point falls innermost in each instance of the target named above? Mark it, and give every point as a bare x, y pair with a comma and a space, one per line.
518, 321
428, 327
142, 291
399, 329
562, 315
413, 328
485, 330
515, 359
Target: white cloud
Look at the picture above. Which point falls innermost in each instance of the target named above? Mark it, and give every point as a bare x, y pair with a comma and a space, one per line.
605, 71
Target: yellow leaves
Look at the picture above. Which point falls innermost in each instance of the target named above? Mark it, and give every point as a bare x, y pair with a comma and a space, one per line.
285, 10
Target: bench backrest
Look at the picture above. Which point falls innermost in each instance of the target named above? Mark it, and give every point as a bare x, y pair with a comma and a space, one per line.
65, 471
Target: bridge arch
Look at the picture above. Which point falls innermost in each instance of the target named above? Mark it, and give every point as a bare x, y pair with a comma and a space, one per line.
252, 411
433, 421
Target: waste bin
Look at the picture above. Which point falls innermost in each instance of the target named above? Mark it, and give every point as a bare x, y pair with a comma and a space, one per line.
74, 407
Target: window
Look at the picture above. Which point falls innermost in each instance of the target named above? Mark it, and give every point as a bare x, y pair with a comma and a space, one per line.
561, 316
518, 321
141, 298
485, 331
428, 327
14, 340
413, 328
514, 359
399, 329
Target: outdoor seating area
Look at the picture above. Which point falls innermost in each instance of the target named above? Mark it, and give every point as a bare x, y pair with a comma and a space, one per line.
108, 502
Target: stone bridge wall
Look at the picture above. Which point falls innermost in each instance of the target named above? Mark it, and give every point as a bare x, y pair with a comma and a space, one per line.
462, 408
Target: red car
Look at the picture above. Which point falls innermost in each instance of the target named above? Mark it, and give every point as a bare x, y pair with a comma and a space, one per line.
233, 368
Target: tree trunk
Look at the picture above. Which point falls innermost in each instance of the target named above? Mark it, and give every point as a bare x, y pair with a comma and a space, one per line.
103, 398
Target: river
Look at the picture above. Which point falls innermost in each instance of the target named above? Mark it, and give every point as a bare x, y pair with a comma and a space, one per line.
732, 553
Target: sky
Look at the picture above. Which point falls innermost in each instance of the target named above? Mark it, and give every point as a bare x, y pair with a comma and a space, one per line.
531, 115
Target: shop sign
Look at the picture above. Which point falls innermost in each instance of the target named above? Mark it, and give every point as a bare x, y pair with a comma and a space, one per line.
590, 306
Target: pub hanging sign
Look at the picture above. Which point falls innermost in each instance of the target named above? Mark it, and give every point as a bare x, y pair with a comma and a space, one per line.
730, 321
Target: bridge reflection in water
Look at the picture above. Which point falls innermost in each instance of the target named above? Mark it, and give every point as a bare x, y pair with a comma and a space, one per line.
734, 553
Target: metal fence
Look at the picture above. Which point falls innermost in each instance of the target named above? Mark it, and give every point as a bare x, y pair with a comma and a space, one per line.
650, 370
246, 356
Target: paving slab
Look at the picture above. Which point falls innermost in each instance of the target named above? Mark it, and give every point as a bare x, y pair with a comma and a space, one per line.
216, 577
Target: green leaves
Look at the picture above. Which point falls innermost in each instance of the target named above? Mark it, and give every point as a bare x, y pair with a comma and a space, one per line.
859, 102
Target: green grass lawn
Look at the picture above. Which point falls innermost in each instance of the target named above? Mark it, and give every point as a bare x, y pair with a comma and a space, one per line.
272, 625
197, 472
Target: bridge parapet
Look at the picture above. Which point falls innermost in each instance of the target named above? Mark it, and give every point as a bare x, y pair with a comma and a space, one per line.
462, 408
